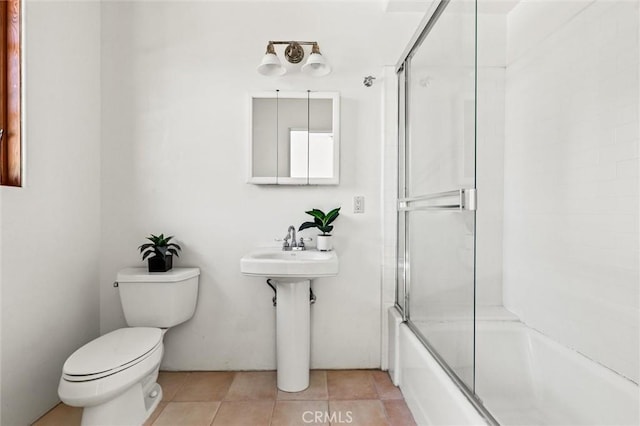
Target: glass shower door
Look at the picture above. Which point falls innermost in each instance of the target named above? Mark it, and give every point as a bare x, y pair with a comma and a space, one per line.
437, 195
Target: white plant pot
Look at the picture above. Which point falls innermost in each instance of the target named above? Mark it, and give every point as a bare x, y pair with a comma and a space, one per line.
324, 243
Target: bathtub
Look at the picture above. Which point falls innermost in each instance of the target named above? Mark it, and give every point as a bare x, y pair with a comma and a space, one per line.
522, 378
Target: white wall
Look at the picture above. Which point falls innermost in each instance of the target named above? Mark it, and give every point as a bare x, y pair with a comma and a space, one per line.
571, 176
175, 78
50, 227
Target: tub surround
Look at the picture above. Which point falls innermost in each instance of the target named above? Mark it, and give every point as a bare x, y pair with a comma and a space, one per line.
571, 254
531, 380
536, 380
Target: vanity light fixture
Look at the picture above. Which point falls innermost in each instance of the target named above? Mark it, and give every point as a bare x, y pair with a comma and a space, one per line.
316, 65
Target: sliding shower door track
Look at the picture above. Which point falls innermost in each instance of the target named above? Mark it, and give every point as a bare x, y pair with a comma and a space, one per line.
468, 393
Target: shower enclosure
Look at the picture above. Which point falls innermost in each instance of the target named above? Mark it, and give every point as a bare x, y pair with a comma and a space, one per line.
465, 121
437, 188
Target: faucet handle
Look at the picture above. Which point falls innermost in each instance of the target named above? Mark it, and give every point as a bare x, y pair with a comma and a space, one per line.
285, 242
301, 245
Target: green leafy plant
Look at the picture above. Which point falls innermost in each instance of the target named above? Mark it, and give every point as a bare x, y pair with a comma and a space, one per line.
321, 221
159, 245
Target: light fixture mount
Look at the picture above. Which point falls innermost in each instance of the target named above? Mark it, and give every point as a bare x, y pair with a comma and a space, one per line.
294, 52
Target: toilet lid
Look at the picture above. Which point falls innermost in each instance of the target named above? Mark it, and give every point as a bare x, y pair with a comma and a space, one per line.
113, 351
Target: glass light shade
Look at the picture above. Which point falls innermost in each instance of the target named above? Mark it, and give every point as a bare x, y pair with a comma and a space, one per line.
316, 65
271, 65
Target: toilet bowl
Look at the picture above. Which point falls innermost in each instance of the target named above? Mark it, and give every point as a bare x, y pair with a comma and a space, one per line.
114, 377
103, 370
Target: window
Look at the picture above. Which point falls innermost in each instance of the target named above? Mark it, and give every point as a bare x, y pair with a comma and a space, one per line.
10, 112
311, 154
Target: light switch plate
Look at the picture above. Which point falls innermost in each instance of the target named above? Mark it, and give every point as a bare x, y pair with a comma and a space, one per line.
358, 204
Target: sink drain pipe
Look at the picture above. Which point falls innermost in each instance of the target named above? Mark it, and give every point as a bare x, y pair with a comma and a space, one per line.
274, 299
275, 293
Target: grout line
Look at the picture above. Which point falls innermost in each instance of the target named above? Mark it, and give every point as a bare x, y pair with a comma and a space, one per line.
164, 405
182, 385
326, 386
375, 386
273, 409
386, 414
233, 379
213, 419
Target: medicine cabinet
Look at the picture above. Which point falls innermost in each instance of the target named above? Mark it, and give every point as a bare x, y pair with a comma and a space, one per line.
294, 138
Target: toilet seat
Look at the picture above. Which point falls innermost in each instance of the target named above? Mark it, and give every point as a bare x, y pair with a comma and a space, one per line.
103, 369
111, 353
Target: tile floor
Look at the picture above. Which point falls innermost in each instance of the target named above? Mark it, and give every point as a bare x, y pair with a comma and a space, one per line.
334, 397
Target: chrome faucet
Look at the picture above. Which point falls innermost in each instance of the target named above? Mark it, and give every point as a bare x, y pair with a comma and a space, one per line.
291, 236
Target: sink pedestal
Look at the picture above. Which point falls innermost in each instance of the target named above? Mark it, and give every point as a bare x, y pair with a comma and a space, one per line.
292, 334
292, 271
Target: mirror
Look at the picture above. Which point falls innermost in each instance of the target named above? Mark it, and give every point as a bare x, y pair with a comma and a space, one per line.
294, 138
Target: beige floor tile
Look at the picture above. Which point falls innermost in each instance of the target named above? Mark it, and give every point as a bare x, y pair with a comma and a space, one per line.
398, 413
244, 413
205, 386
356, 397
358, 413
187, 414
384, 386
61, 415
295, 413
351, 384
251, 385
156, 413
171, 382
317, 389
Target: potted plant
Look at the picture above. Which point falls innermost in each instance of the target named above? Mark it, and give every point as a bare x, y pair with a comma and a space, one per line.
323, 223
162, 250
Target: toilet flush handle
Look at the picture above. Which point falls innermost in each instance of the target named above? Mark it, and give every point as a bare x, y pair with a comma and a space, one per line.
115, 284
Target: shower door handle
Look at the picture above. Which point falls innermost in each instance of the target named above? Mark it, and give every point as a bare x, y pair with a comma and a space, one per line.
460, 199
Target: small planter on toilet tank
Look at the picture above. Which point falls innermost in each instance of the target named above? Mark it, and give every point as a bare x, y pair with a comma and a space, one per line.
159, 252
160, 264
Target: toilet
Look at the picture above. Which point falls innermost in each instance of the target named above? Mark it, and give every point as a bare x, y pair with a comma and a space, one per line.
114, 377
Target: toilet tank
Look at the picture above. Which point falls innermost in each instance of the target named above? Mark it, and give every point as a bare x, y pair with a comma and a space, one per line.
158, 299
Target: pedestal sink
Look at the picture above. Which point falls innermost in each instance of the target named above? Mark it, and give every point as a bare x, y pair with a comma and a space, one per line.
292, 272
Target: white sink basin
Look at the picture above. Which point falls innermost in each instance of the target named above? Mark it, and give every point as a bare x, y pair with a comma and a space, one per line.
295, 264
